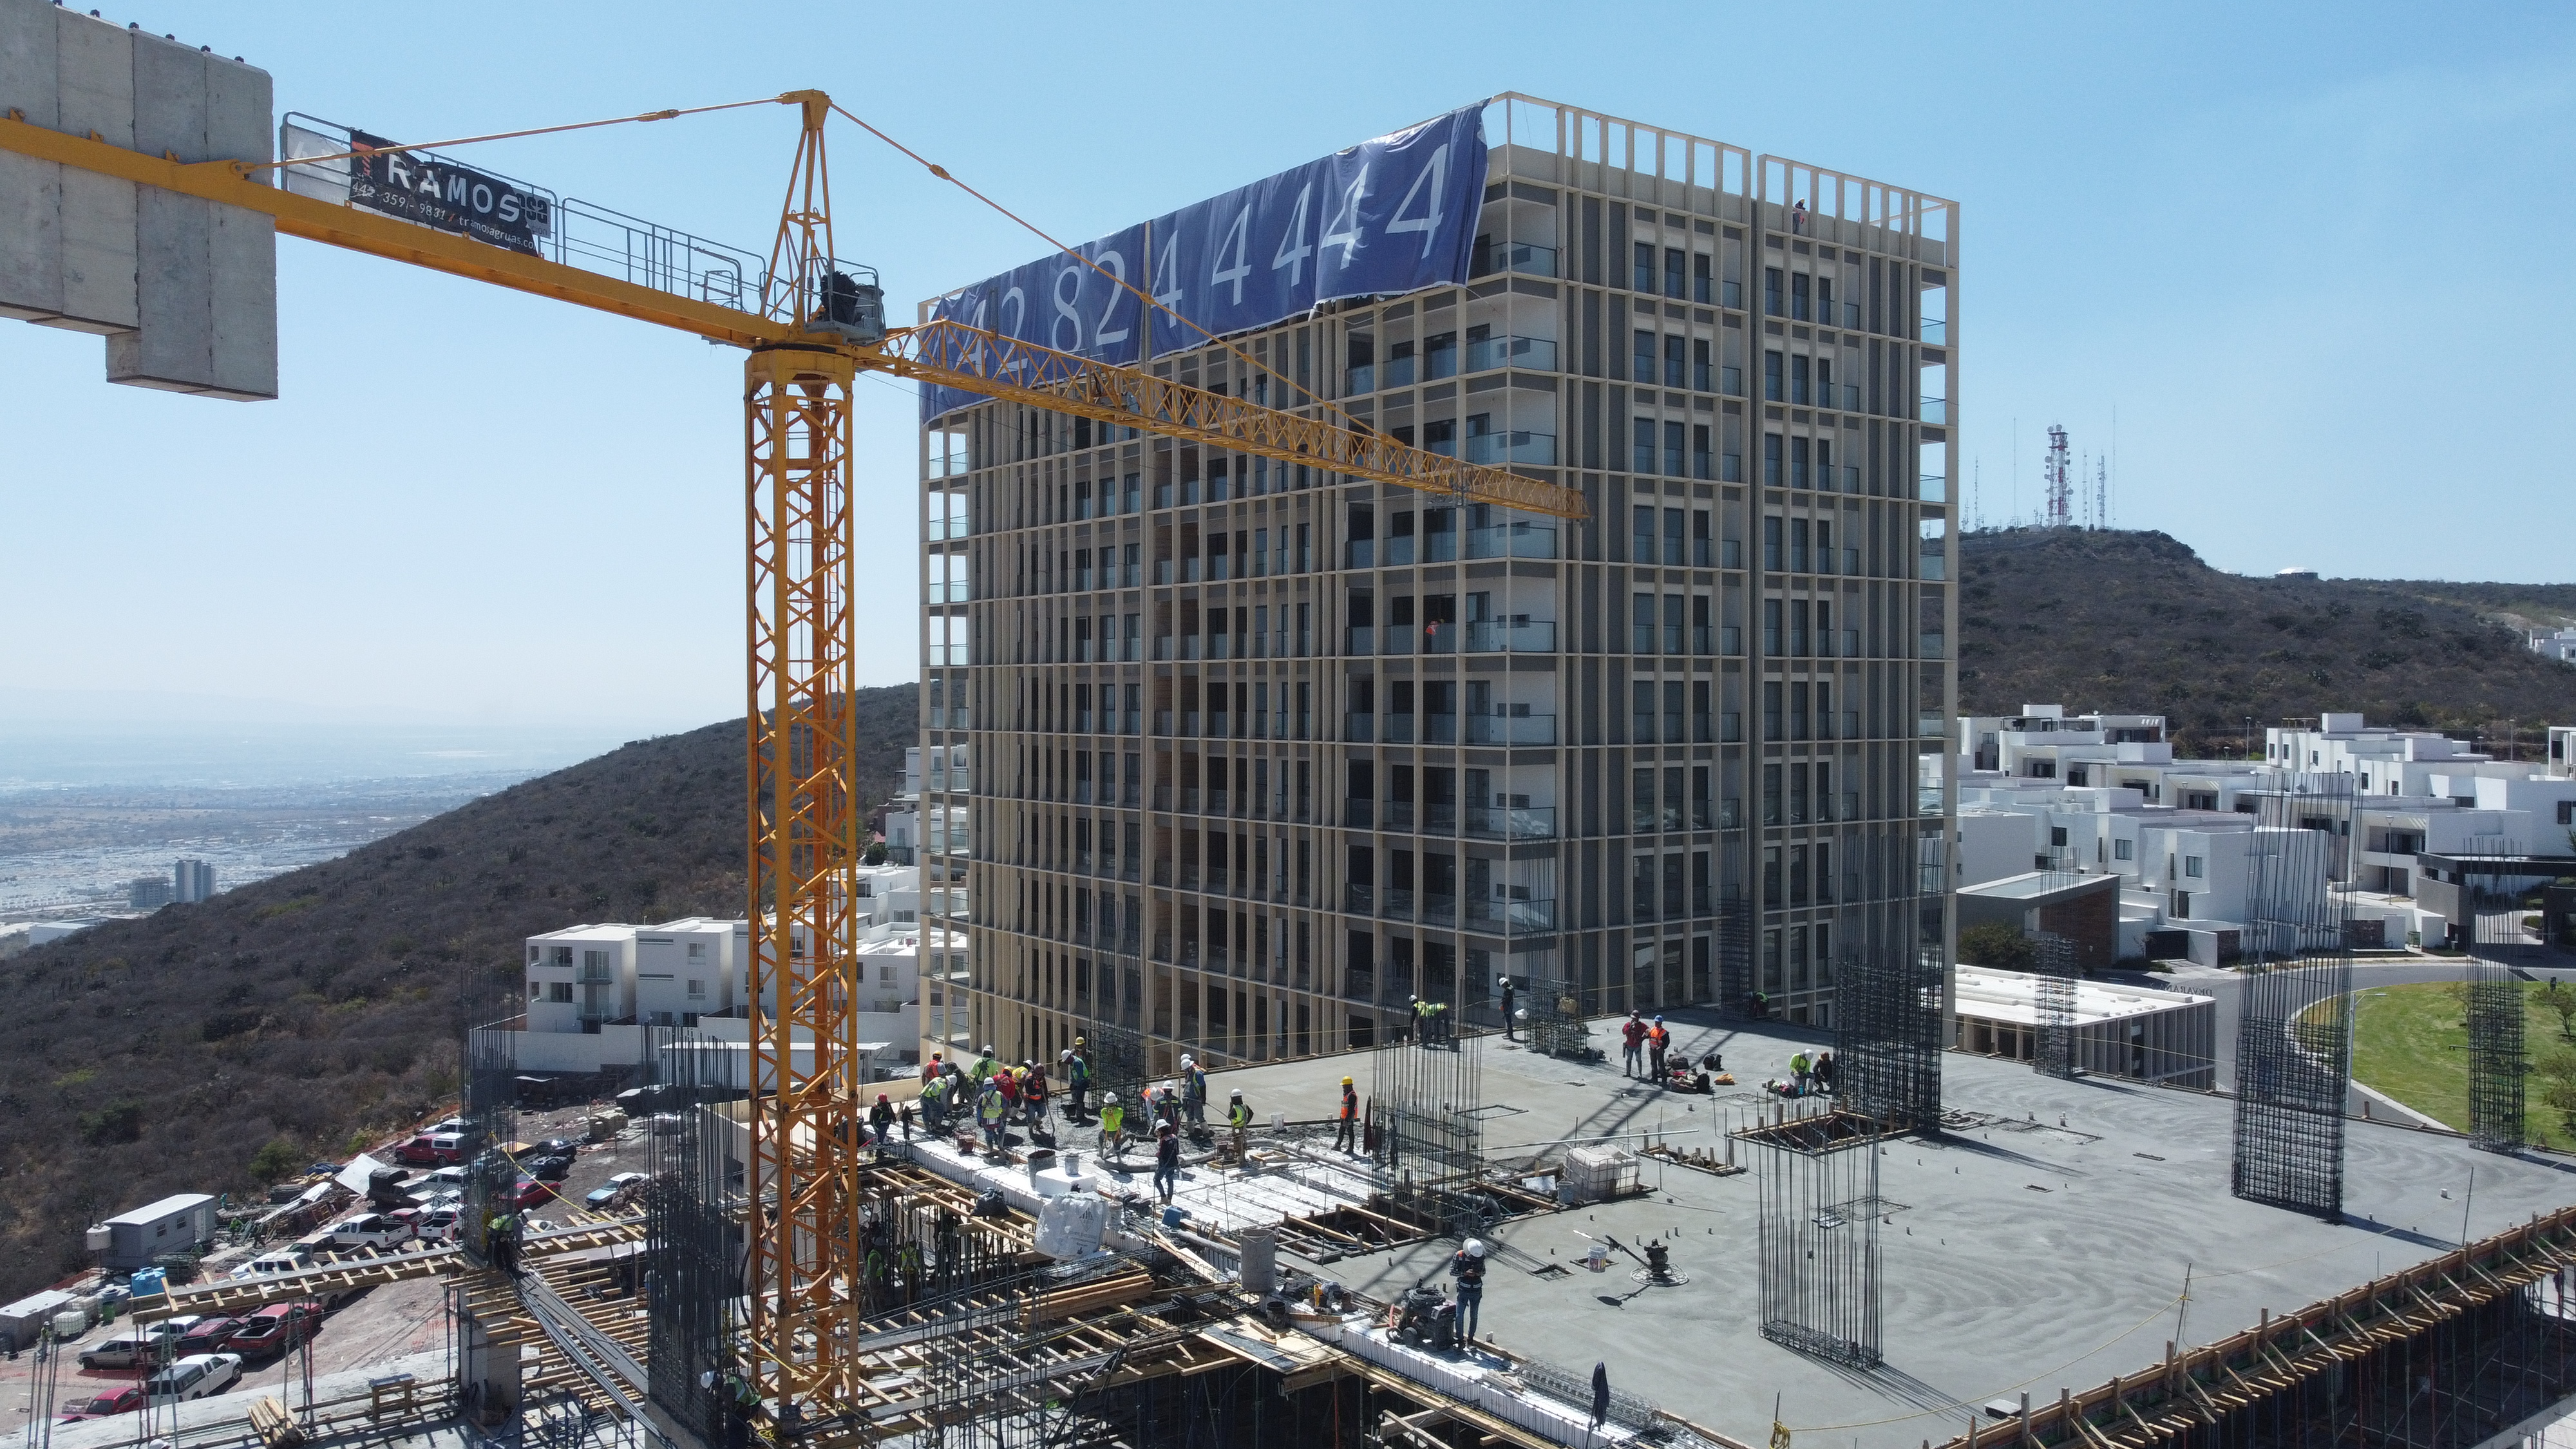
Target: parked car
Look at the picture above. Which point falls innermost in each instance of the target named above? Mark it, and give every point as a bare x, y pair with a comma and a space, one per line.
526, 1193
450, 1124
165, 1331
198, 1376
273, 1262
432, 1149
124, 1400
127, 1348
666, 1124
277, 1328
615, 1193
549, 1167
369, 1230
212, 1335
441, 1224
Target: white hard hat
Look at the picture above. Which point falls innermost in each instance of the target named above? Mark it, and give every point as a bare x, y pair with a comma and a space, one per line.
1185, 1061
1475, 1247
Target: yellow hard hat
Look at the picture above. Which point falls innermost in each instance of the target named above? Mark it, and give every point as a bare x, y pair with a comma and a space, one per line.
1346, 1081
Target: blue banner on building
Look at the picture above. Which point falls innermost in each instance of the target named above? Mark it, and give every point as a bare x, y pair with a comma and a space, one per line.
1386, 216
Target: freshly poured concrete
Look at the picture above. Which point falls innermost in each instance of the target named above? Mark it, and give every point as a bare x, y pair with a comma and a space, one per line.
2017, 1256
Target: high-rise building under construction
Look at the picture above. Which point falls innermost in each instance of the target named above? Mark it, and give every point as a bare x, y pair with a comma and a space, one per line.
1260, 756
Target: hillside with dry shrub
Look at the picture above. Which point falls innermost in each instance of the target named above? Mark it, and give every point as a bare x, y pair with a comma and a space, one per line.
325, 1006
2134, 622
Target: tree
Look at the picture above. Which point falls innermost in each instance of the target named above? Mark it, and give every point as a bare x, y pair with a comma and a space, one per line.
876, 854
274, 1161
1998, 945
115, 1122
2560, 999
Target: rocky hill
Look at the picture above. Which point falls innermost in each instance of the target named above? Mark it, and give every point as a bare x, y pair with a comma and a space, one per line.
2135, 622
326, 1006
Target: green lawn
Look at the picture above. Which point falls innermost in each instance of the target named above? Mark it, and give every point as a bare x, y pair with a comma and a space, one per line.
2410, 1042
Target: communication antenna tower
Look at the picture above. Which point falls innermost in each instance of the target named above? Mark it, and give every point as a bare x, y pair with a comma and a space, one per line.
2057, 482
2101, 493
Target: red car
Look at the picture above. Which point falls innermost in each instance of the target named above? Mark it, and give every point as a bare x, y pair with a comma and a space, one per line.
117, 1401
275, 1329
528, 1193
432, 1149
213, 1335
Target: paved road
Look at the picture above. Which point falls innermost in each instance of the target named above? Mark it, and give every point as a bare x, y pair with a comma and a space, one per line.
2228, 988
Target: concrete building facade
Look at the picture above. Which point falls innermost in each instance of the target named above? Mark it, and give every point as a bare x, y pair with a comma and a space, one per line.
1260, 754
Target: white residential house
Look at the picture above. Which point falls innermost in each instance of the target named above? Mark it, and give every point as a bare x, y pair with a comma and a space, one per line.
2558, 644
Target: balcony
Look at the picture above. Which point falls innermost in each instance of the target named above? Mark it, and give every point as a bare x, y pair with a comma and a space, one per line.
1515, 822
1536, 449
1359, 639
1512, 918
1508, 729
1933, 410
1397, 730
1520, 538
1527, 258
1359, 729
1357, 813
1932, 488
1438, 910
1359, 899
1485, 354
1536, 636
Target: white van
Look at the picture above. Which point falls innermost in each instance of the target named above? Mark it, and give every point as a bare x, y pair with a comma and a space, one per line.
270, 1264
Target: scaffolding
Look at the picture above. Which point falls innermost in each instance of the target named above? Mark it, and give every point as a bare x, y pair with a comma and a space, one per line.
2294, 1031
1817, 1180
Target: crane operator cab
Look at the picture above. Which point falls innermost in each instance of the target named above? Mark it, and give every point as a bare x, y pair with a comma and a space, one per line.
851, 306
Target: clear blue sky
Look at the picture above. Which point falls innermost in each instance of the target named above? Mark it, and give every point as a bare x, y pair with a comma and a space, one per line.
2307, 253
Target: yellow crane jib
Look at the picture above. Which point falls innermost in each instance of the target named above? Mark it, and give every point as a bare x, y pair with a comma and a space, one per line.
973, 359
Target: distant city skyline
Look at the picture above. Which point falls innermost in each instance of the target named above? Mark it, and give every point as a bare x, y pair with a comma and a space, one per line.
474, 506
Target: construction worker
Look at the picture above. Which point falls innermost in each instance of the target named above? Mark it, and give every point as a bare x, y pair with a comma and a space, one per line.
1113, 1126
994, 1112
1658, 1041
1193, 1091
1167, 1103
881, 1120
1799, 1067
1824, 1072
934, 1105
1167, 1161
1505, 982
504, 1240
1239, 1117
1421, 1021
1034, 1093
1469, 1268
742, 1400
985, 1066
1347, 1137
933, 1069
1077, 1077
1759, 1007
1632, 1043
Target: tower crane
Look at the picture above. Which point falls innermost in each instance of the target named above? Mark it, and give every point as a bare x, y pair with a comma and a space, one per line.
819, 323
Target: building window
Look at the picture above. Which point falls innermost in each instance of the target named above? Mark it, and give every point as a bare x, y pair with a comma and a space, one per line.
560, 991
1645, 278
1642, 445
1773, 372
2192, 867
2123, 850
1771, 459
697, 988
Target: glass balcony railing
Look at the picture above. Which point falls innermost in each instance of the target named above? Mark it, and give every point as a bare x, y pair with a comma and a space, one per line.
1437, 910
1932, 488
1929, 329
1397, 729
1934, 646
1535, 353
1512, 918
1534, 636
1517, 539
1934, 410
1515, 822
1359, 729
1537, 449
1527, 258
1358, 814
1509, 729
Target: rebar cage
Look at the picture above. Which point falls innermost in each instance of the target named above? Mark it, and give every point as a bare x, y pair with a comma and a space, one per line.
491, 1094
1817, 1179
2294, 1032
1422, 1109
2495, 1006
2053, 1005
692, 1203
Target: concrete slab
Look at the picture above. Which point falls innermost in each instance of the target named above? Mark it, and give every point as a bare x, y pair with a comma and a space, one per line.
2017, 1253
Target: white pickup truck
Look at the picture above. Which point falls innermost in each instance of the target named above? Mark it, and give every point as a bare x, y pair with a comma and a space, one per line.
370, 1230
